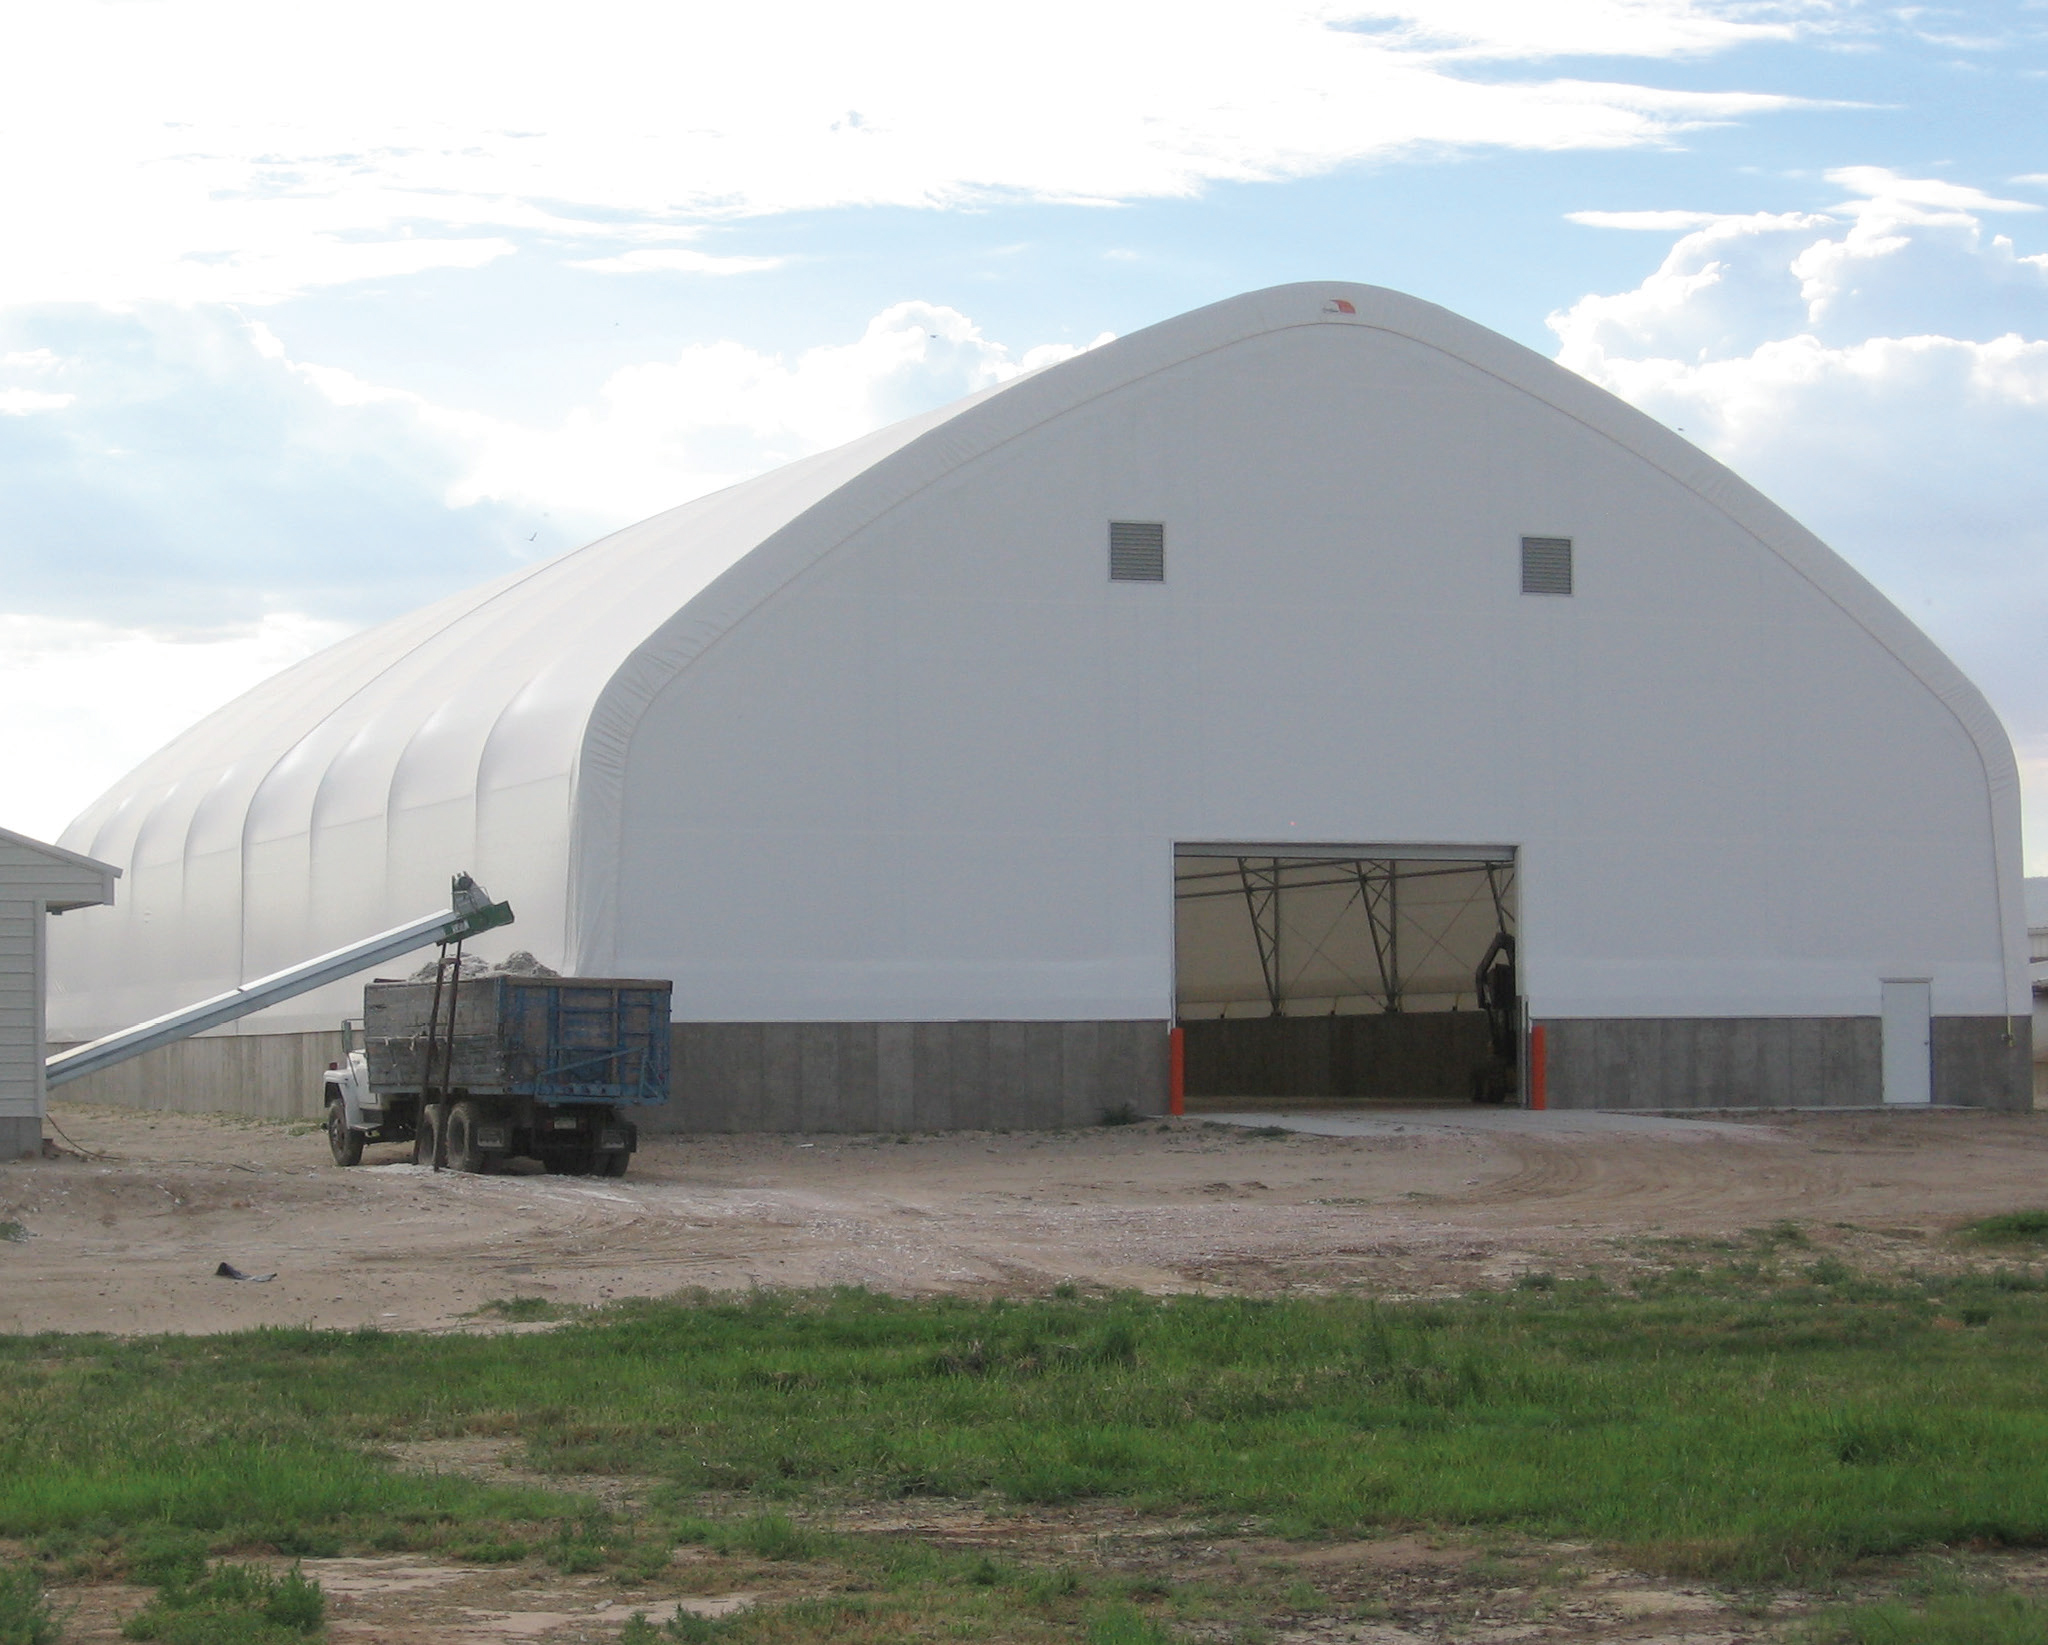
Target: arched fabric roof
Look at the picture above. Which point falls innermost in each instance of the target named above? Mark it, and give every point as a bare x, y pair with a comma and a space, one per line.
478, 703
492, 730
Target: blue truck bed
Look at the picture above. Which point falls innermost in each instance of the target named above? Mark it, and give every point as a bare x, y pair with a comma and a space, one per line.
551, 1039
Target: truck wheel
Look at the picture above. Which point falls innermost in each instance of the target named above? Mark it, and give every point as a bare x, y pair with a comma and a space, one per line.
423, 1135
612, 1162
463, 1153
344, 1144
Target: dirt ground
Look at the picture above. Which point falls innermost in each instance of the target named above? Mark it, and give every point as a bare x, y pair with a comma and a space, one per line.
128, 1239
125, 1235
1393, 1591
1397, 1591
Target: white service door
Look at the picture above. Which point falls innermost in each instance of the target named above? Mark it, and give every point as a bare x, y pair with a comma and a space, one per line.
1908, 1042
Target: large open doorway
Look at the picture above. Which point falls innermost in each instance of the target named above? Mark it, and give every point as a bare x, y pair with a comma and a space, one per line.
1334, 973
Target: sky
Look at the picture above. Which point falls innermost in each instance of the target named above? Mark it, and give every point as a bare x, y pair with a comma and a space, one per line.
312, 314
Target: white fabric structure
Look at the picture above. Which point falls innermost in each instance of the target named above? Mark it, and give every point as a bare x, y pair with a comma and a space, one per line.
875, 737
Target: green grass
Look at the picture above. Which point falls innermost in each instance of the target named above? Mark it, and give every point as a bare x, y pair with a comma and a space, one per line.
26, 1616
1756, 1423
1962, 1619
908, 1593
232, 1605
1125, 1624
209, 1436
524, 1310
2010, 1228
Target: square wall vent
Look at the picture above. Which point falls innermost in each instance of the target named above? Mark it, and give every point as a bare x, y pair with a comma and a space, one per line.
1137, 552
1546, 565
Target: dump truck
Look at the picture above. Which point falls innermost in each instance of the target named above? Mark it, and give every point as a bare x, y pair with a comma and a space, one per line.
476, 1069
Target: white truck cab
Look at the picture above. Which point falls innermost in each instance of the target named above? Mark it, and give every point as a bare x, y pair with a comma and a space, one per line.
355, 1113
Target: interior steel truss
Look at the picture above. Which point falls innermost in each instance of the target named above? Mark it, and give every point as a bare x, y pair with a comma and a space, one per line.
1260, 883
1374, 883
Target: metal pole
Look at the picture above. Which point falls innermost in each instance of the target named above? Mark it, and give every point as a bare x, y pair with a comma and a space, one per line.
1394, 936
1262, 900
1279, 980
427, 1050
448, 1064
1376, 893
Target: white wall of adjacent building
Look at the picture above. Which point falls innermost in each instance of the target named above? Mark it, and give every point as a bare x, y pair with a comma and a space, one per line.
35, 881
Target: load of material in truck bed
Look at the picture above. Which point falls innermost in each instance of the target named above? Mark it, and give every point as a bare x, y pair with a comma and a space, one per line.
552, 1039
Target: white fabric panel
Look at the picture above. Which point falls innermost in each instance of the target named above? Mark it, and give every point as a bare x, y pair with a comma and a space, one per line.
874, 736
1340, 651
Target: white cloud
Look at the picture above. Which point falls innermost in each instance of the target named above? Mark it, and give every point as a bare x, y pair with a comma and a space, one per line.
676, 260
178, 467
1964, 42
87, 701
1881, 369
1875, 183
20, 402
227, 150
665, 431
37, 364
1662, 222
174, 468
1580, 28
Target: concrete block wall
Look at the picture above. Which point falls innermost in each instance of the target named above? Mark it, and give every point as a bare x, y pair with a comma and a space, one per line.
932, 1076
1665, 1063
909, 1076
738, 1076
1984, 1062
264, 1076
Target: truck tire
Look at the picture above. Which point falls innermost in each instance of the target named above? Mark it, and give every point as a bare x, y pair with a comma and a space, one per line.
344, 1144
612, 1162
423, 1135
463, 1153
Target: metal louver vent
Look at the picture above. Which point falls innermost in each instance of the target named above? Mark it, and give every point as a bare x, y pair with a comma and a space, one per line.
1546, 565
1137, 552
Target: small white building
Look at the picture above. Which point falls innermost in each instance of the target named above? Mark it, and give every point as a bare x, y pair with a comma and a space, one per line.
35, 879
1257, 673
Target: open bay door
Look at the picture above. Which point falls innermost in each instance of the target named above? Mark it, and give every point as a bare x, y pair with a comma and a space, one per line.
1333, 973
